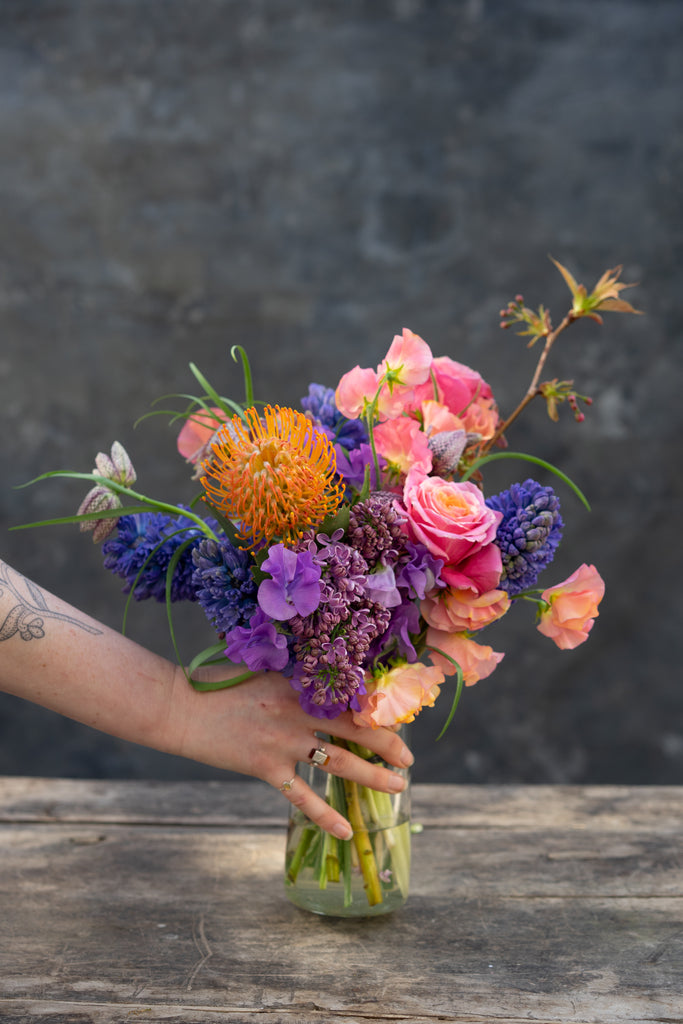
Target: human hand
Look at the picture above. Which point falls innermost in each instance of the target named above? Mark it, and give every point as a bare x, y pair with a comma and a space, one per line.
260, 729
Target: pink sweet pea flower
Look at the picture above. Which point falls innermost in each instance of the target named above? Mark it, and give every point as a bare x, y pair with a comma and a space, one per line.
403, 445
398, 695
462, 611
476, 660
355, 391
408, 360
197, 431
454, 523
572, 607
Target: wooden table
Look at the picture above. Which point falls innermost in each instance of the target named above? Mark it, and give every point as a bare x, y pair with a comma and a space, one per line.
142, 901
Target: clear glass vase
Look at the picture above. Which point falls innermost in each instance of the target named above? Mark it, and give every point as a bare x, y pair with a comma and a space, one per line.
363, 876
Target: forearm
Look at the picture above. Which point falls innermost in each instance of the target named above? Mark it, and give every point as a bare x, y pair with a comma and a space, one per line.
56, 656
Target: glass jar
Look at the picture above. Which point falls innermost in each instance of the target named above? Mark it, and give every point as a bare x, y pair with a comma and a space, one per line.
363, 876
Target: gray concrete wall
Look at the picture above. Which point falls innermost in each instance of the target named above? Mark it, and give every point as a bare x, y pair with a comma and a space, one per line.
306, 178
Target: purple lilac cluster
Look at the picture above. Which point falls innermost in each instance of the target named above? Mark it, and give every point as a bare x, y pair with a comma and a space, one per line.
330, 606
528, 534
142, 551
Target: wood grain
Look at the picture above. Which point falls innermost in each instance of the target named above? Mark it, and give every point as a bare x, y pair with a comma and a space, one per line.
155, 901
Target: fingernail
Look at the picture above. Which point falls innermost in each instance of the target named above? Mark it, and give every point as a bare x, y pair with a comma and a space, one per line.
396, 783
407, 758
342, 831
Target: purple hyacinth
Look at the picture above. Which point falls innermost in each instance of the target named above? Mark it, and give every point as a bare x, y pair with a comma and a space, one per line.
223, 583
320, 405
142, 551
528, 534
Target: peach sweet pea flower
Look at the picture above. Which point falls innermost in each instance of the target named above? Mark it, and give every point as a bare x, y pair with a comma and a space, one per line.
572, 607
437, 417
481, 417
476, 660
403, 445
460, 610
454, 523
398, 695
197, 431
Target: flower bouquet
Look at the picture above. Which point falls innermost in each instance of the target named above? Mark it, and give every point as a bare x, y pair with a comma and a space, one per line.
351, 546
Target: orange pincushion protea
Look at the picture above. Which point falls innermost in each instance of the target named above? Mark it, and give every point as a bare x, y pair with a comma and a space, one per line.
273, 475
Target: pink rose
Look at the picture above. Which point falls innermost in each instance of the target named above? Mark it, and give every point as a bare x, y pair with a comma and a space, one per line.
572, 607
453, 522
462, 611
457, 385
476, 660
398, 695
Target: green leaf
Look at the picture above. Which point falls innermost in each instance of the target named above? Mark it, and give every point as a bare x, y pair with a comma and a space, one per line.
338, 521
228, 527
528, 458
222, 684
246, 370
226, 404
458, 689
111, 513
208, 657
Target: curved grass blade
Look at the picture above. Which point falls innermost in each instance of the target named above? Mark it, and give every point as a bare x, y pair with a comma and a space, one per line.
527, 458
246, 371
458, 689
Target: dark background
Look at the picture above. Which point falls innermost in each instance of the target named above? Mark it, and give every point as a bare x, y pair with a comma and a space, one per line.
305, 178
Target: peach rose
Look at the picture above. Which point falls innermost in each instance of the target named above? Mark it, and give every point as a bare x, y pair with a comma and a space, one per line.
476, 660
462, 611
572, 607
453, 522
398, 695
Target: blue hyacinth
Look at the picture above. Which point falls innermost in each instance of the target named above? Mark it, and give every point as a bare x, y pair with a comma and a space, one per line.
528, 534
320, 405
223, 583
144, 546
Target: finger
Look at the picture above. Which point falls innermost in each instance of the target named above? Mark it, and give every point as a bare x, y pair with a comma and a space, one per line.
384, 742
348, 765
314, 807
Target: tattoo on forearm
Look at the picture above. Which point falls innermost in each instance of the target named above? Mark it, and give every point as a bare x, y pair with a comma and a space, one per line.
28, 616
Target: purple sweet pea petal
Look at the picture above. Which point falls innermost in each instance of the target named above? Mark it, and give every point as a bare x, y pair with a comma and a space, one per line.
294, 587
422, 573
351, 464
259, 645
381, 587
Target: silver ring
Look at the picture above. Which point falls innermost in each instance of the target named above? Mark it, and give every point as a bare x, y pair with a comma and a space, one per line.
319, 756
286, 786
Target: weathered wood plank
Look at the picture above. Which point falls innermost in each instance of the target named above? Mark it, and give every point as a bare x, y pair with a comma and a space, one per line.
499, 925
226, 804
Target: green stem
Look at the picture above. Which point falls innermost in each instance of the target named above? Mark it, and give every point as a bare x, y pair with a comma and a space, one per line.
361, 840
300, 852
